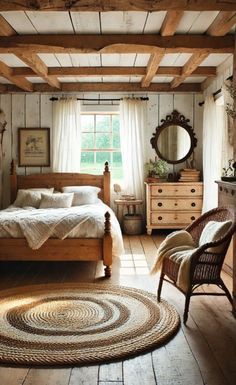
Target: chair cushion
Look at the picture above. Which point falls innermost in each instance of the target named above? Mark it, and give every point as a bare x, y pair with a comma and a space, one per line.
212, 232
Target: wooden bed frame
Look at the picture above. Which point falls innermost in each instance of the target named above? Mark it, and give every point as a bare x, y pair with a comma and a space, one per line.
69, 249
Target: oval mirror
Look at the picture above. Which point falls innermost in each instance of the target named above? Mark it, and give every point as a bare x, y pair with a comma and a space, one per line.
174, 140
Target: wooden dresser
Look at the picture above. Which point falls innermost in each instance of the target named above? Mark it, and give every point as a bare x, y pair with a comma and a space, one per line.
172, 205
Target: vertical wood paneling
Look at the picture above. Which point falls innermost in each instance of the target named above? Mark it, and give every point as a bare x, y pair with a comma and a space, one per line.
32, 119
6, 156
18, 120
46, 120
197, 125
152, 123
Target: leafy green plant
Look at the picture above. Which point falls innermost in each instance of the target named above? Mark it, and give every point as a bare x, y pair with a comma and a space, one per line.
157, 168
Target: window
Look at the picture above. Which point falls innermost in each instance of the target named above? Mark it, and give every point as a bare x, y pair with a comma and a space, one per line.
101, 143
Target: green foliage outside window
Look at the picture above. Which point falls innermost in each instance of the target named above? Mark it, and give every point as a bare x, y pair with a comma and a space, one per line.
101, 143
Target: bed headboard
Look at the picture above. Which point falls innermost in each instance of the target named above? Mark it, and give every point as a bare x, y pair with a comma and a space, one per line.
59, 180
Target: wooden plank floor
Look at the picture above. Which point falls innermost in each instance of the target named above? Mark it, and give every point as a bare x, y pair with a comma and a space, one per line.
203, 352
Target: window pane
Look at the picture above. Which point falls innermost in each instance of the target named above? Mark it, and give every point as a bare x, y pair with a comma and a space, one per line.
87, 160
116, 140
116, 124
87, 140
102, 157
103, 123
87, 123
103, 141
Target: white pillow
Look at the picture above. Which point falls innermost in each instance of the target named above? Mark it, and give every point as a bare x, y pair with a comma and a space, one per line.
56, 201
83, 195
212, 232
27, 198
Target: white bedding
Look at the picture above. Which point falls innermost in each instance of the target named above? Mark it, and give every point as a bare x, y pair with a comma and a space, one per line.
37, 225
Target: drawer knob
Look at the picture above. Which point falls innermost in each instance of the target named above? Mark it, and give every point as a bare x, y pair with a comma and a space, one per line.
160, 190
159, 204
159, 218
192, 218
193, 204
176, 204
193, 190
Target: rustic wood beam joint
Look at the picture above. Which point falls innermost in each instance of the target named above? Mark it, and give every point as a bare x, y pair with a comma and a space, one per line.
152, 68
171, 22
222, 24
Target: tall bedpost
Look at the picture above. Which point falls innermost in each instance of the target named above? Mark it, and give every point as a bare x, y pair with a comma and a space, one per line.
107, 246
106, 185
13, 180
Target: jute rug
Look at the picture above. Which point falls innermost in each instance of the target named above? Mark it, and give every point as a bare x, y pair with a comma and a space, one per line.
81, 324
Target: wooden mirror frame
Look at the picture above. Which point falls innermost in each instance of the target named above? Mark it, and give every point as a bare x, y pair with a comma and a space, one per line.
175, 118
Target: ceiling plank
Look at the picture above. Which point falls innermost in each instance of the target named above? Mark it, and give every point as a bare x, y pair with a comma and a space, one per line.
117, 5
112, 71
112, 87
189, 67
171, 22
152, 67
22, 83
38, 66
222, 24
120, 43
5, 28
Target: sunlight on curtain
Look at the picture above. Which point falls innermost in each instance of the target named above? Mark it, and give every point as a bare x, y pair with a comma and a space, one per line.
213, 134
66, 137
133, 118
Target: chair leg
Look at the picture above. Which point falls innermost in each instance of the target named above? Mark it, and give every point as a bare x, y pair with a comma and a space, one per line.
160, 287
227, 293
186, 307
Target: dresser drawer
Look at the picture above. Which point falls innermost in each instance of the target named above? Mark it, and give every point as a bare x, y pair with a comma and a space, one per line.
176, 204
176, 190
170, 218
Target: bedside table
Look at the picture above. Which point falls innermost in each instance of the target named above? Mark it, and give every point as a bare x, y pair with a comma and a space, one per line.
130, 221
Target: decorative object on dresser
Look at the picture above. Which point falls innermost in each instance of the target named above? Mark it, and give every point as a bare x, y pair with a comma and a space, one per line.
172, 205
229, 172
54, 249
174, 140
189, 175
156, 170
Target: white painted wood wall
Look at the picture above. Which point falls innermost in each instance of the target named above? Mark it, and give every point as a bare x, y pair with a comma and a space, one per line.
35, 110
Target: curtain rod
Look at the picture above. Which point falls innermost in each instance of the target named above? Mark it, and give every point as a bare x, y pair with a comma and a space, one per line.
216, 92
102, 100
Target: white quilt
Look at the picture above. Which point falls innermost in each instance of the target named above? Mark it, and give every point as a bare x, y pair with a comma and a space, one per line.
37, 225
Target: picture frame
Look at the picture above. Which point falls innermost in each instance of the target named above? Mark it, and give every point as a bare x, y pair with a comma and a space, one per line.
33, 147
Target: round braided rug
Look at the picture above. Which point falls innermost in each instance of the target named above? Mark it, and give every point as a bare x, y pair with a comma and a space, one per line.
81, 323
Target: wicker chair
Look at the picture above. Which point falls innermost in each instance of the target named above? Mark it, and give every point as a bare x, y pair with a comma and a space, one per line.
205, 267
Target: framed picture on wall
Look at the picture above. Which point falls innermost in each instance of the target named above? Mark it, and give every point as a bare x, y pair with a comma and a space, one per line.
33, 147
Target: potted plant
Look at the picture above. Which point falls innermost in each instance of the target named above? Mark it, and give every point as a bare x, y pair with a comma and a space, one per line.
156, 169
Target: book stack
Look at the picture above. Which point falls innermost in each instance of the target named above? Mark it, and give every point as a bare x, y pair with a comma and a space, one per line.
189, 175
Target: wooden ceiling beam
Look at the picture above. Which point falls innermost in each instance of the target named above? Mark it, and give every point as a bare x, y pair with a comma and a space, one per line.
111, 71
20, 82
152, 68
171, 23
38, 66
111, 87
5, 28
189, 67
222, 24
127, 43
117, 5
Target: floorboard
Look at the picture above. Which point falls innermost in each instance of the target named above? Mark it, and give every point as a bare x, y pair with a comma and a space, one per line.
202, 353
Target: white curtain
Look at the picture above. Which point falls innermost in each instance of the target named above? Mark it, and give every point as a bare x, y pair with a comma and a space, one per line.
133, 117
66, 135
213, 132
